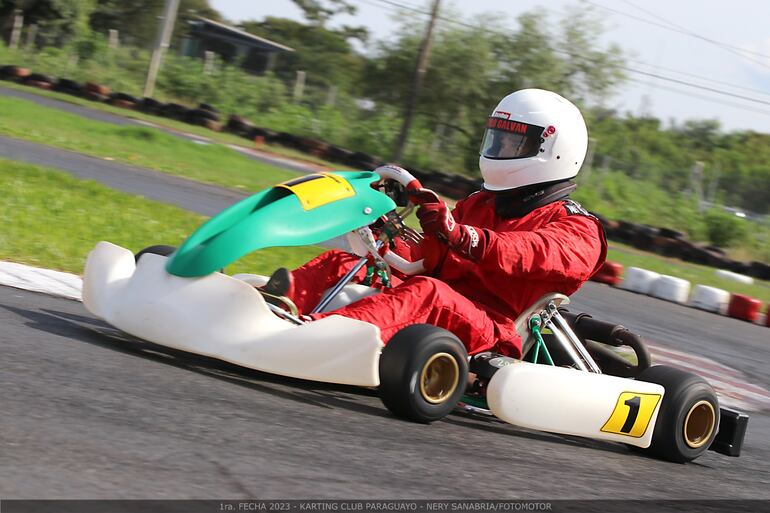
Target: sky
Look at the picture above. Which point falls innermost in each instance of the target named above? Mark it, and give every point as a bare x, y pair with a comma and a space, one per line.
711, 57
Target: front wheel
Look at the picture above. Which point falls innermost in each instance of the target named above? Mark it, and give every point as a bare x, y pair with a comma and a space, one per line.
423, 373
159, 249
689, 415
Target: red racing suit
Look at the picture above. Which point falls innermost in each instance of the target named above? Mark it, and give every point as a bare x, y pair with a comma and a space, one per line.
554, 248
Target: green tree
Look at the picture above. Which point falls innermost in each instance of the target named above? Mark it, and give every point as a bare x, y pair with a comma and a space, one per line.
326, 55
474, 64
319, 12
137, 21
58, 21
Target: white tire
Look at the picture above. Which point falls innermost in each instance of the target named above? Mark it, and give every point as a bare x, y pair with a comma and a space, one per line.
639, 280
671, 288
710, 299
729, 275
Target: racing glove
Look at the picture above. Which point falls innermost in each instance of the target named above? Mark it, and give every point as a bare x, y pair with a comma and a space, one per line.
436, 220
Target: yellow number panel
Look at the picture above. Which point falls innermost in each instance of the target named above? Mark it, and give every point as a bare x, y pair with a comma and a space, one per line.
319, 189
632, 414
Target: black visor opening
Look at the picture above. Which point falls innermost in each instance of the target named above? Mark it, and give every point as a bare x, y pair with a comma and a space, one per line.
510, 139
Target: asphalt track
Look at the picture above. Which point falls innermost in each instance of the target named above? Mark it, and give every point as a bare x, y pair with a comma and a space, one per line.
89, 412
187, 194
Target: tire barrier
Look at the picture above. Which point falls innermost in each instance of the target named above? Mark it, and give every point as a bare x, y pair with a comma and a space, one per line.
239, 125
710, 299
93, 87
11, 72
610, 273
671, 288
46, 86
95, 97
759, 270
39, 77
729, 275
744, 307
174, 111
767, 316
639, 280
67, 86
123, 104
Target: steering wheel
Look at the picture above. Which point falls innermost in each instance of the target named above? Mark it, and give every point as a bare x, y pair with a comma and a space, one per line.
407, 191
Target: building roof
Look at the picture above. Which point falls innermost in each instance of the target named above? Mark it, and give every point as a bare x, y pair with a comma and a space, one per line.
227, 30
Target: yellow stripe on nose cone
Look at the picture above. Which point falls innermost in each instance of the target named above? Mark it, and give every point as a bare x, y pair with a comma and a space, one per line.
319, 189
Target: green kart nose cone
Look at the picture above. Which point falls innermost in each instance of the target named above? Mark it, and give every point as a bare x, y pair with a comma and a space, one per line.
303, 211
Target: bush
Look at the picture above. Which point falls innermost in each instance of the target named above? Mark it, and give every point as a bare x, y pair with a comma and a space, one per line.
724, 229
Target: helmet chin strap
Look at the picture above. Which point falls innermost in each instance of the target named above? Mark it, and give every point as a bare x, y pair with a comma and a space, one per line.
520, 202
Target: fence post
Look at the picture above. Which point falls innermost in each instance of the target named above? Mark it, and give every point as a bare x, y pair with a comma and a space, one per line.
18, 23
31, 35
696, 182
299, 86
208, 62
114, 41
331, 96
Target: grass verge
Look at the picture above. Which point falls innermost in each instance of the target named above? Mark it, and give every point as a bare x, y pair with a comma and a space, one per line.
220, 137
52, 220
695, 274
139, 146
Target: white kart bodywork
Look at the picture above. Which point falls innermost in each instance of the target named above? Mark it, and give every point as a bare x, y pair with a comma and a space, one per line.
225, 318
571, 402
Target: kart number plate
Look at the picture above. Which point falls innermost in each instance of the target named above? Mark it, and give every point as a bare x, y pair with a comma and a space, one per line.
632, 414
319, 189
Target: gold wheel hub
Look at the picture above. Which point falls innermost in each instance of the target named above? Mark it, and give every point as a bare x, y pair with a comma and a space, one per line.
439, 378
699, 424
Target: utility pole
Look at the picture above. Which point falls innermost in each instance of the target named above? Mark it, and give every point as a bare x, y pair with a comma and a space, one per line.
161, 44
419, 75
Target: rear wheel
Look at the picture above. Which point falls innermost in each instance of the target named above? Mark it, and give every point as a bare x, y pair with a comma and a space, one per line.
689, 416
423, 373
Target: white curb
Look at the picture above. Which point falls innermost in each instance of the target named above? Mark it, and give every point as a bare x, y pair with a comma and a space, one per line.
36, 279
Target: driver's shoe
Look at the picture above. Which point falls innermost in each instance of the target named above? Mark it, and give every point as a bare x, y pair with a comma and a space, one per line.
281, 283
278, 288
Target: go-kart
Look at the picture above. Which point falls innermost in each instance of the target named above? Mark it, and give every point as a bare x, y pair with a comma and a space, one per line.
571, 380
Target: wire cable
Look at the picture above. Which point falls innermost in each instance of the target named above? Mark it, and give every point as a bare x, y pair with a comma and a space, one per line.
694, 85
730, 48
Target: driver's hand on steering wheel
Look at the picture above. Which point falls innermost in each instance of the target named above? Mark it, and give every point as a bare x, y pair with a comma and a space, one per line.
437, 220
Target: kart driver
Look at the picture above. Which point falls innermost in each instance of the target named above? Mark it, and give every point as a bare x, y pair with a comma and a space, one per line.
499, 250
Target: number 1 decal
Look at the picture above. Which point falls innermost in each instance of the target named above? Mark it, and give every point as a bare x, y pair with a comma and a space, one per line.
632, 414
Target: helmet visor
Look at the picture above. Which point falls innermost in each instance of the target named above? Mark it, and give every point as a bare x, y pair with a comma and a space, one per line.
509, 139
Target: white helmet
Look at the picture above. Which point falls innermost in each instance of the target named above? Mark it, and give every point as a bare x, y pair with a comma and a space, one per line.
533, 136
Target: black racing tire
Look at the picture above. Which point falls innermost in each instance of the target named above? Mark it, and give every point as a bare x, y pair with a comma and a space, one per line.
423, 373
202, 114
159, 249
688, 419
210, 108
